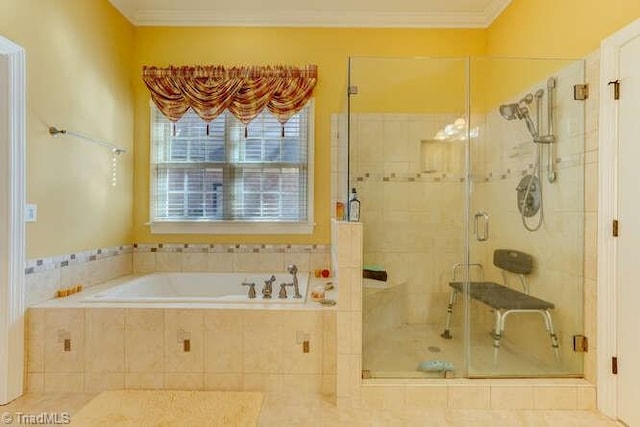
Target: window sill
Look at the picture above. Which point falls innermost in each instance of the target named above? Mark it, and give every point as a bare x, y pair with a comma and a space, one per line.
231, 227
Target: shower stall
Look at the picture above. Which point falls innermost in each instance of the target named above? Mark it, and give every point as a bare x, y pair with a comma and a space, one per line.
460, 163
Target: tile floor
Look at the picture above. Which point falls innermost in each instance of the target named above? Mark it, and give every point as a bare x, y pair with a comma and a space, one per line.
313, 410
397, 353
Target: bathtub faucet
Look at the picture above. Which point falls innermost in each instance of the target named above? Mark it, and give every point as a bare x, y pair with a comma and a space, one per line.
252, 289
268, 287
293, 269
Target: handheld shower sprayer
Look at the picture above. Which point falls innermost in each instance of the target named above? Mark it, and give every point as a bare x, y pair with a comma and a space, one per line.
530, 188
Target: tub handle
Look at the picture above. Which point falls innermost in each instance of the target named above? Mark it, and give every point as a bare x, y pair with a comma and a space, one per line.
283, 290
252, 289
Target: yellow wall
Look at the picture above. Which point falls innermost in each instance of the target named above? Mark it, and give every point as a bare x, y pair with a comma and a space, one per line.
328, 48
79, 55
557, 28
84, 62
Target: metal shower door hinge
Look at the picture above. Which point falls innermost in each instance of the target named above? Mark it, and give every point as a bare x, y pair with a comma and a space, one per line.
352, 90
580, 344
616, 88
581, 92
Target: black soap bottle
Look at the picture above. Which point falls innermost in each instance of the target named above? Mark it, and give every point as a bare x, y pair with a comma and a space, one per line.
354, 206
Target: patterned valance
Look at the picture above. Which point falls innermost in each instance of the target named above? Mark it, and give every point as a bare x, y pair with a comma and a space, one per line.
244, 91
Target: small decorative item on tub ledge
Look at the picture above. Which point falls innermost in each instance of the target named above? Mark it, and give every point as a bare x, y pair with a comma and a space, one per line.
317, 294
68, 291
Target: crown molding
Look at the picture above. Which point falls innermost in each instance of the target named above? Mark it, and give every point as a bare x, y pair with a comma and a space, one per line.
493, 10
311, 18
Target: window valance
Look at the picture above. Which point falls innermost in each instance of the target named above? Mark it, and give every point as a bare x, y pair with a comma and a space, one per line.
244, 91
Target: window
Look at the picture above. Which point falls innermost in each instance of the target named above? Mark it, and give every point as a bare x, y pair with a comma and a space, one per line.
225, 177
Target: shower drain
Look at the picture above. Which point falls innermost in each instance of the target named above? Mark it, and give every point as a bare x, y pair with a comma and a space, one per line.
433, 349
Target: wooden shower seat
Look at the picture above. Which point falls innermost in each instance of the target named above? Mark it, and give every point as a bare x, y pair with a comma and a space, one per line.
501, 298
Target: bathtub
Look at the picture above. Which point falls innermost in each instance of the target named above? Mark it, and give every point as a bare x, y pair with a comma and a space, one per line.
199, 288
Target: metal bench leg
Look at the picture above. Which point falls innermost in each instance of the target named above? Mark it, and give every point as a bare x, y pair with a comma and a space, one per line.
554, 339
447, 324
497, 334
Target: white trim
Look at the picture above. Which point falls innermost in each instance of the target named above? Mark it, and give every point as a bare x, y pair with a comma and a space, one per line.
493, 10
230, 227
309, 19
12, 183
240, 227
312, 18
607, 212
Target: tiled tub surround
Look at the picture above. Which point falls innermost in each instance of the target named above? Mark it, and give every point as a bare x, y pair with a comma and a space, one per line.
228, 258
199, 288
230, 346
353, 391
44, 277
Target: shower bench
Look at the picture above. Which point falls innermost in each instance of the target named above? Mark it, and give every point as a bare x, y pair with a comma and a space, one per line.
501, 298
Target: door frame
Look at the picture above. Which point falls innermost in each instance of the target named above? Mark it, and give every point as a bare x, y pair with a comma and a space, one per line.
607, 289
12, 227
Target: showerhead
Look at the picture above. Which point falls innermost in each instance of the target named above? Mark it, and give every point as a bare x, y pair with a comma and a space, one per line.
520, 111
509, 111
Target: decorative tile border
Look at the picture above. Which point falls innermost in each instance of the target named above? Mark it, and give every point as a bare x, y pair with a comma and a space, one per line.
51, 263
43, 264
228, 248
492, 176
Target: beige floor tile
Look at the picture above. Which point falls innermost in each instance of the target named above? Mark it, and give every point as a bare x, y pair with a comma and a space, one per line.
297, 409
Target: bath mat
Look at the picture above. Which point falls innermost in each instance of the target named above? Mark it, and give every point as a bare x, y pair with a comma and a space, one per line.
170, 408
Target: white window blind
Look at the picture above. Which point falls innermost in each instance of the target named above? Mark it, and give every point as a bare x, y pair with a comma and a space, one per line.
225, 171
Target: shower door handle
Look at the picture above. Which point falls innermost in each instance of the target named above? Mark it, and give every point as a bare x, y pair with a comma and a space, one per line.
481, 232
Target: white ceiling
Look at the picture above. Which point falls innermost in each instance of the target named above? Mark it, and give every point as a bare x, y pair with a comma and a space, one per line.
306, 13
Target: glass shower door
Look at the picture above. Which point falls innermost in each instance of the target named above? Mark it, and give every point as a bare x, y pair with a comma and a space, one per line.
526, 216
407, 136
